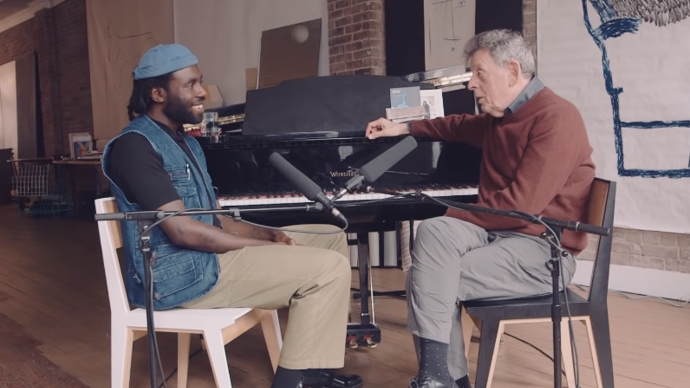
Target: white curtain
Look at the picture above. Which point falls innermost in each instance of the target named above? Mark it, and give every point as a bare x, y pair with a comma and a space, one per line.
8, 106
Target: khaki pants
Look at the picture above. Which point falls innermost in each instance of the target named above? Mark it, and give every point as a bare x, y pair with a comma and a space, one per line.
313, 280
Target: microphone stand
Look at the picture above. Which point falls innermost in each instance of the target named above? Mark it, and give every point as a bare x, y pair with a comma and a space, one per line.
146, 221
554, 229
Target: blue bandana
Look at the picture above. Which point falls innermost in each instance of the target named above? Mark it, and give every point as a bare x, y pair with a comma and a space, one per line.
164, 59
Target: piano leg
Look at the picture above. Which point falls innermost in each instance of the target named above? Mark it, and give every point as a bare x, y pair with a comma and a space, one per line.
366, 332
400, 293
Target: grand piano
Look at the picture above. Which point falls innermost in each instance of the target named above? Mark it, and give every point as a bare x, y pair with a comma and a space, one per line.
317, 125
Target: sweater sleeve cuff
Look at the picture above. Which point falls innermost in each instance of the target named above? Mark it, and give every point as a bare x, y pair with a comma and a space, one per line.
416, 130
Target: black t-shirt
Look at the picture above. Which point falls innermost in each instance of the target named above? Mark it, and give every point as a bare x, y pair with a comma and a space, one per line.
138, 171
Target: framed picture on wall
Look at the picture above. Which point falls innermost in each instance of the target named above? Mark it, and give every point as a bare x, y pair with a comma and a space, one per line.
81, 143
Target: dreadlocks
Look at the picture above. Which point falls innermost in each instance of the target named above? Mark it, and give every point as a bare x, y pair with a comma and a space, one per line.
140, 101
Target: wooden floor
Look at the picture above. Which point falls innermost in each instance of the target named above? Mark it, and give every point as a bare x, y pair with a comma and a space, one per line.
54, 327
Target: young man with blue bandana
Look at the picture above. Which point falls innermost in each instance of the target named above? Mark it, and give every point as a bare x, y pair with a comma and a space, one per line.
208, 261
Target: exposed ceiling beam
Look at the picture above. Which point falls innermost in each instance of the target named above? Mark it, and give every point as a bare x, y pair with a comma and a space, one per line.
27, 13
38, 5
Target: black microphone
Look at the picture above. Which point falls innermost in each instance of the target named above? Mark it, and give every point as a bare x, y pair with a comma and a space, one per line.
373, 170
303, 184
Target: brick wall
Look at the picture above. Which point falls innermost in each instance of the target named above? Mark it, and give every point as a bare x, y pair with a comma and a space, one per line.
656, 250
47, 78
74, 81
529, 25
58, 36
17, 42
356, 37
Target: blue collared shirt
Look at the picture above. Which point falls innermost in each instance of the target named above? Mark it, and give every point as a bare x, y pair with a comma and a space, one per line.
532, 88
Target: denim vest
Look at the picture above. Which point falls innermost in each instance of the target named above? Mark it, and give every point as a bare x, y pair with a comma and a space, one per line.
180, 275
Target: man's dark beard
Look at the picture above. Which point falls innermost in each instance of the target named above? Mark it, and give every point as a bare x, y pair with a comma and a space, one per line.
180, 112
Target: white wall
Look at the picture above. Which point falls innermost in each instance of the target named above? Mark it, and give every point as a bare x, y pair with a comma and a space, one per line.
226, 35
8, 106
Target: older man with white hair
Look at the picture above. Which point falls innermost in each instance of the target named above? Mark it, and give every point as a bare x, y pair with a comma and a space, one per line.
536, 158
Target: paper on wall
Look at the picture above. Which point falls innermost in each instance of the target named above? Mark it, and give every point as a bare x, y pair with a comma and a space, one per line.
448, 25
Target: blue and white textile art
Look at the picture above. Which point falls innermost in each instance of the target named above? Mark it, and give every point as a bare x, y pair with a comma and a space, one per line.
626, 65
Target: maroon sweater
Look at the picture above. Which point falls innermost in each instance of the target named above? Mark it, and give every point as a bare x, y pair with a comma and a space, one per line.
536, 160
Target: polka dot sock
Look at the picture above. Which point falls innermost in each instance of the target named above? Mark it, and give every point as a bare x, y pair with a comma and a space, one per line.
433, 360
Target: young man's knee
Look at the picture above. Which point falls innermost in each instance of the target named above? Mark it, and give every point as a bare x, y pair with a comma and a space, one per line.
342, 263
339, 265
339, 244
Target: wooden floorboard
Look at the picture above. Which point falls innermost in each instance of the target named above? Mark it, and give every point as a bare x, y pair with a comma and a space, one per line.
55, 327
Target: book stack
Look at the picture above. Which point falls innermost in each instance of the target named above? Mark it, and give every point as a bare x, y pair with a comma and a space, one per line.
412, 103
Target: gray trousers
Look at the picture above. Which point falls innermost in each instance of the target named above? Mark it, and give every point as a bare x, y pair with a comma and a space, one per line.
455, 261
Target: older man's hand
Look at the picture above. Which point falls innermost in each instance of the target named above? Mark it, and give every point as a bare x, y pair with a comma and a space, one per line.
385, 128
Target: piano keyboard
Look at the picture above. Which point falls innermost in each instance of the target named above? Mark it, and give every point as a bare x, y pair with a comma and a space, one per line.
290, 198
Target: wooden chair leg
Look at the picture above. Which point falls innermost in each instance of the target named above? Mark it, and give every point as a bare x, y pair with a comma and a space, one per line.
273, 337
488, 351
600, 346
467, 324
183, 341
566, 353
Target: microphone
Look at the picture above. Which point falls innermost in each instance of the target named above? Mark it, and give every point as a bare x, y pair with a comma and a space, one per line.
303, 184
373, 170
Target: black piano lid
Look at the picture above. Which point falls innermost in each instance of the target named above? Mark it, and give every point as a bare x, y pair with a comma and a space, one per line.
328, 107
232, 140
343, 104
229, 110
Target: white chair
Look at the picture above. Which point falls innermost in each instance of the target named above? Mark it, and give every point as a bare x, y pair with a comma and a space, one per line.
218, 326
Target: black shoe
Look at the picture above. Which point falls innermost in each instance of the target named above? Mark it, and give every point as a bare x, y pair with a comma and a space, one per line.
328, 379
430, 382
